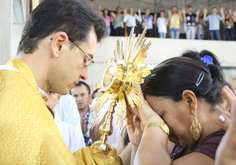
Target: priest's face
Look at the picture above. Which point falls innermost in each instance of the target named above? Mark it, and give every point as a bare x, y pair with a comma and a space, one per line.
68, 68
82, 97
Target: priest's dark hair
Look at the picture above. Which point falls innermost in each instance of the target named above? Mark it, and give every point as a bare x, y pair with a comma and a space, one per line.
170, 78
74, 17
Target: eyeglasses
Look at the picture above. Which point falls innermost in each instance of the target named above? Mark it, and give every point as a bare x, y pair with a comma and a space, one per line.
90, 62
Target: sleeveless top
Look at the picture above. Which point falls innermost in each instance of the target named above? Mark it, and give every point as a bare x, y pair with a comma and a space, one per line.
208, 146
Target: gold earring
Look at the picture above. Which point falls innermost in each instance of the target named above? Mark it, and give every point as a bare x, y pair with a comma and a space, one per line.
195, 128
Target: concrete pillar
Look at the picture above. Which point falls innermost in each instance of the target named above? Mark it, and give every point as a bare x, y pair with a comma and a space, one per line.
6, 8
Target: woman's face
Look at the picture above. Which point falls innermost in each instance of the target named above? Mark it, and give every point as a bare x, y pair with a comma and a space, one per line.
118, 10
105, 12
131, 10
177, 116
162, 14
200, 14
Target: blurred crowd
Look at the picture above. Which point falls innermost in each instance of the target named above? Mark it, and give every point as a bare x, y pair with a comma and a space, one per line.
175, 24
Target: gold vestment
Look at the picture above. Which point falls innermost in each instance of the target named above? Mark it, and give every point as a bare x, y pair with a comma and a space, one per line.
28, 134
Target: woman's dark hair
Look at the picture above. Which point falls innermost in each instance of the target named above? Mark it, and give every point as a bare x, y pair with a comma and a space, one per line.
118, 7
105, 9
173, 76
201, 15
162, 11
74, 17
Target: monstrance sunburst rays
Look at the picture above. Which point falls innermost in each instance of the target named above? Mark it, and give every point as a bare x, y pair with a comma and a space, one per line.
117, 81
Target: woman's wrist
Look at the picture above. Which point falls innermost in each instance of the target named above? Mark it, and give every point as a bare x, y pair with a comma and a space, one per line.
152, 119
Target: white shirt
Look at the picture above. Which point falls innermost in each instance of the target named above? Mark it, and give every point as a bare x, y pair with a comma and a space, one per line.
70, 134
115, 137
147, 21
131, 20
67, 112
162, 22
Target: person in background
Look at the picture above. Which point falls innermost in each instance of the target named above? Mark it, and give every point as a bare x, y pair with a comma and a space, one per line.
72, 135
107, 20
130, 19
200, 25
183, 27
148, 22
81, 93
162, 23
96, 93
67, 111
229, 25
95, 133
214, 22
190, 19
174, 19
51, 57
118, 23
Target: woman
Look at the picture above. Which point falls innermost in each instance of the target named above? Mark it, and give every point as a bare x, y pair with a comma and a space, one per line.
148, 21
229, 25
107, 20
162, 23
118, 23
175, 19
200, 25
131, 19
181, 95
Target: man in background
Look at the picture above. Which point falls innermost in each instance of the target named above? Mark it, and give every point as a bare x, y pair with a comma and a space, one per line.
214, 22
82, 95
190, 20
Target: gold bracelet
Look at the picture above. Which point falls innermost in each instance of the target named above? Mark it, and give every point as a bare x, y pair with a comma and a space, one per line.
162, 125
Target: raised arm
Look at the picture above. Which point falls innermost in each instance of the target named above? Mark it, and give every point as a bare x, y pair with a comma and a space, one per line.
181, 15
139, 18
197, 16
125, 15
205, 14
184, 15
222, 14
169, 15
234, 16
154, 19
113, 17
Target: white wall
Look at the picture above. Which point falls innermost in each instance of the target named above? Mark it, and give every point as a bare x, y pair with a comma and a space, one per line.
6, 30
16, 36
162, 49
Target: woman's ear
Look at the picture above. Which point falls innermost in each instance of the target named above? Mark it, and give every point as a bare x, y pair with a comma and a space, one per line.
191, 100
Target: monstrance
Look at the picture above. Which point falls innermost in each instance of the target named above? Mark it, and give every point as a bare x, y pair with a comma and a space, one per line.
116, 84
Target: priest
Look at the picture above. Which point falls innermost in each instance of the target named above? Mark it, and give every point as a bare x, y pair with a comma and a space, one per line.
57, 47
